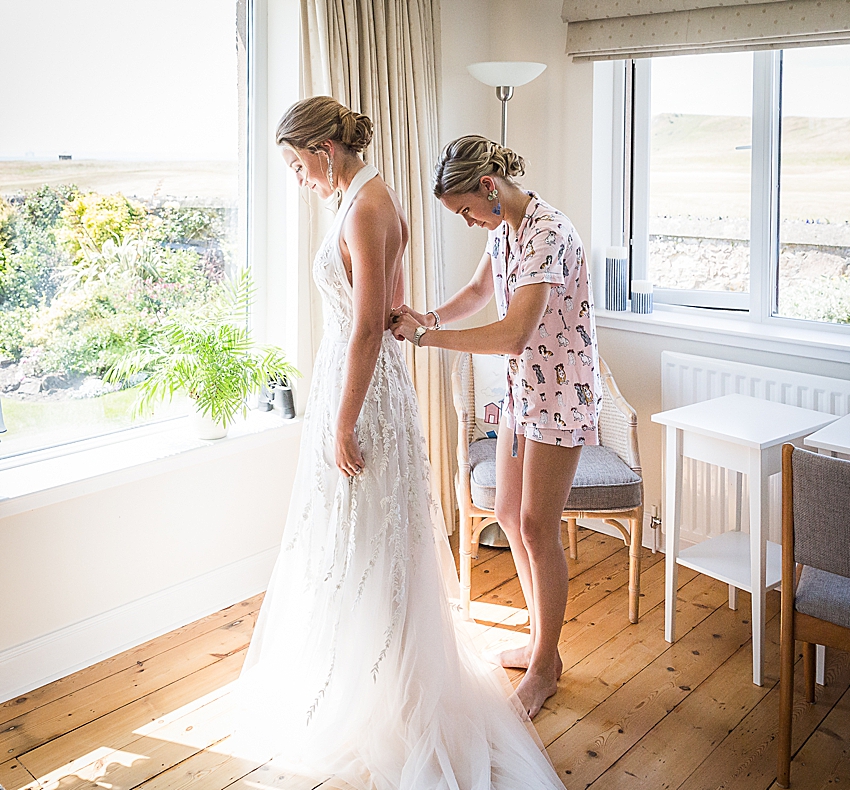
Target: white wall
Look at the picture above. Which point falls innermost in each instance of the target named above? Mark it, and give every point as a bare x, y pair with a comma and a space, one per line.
545, 123
91, 575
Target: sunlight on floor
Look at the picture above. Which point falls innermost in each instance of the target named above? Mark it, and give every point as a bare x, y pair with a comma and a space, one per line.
197, 736
91, 767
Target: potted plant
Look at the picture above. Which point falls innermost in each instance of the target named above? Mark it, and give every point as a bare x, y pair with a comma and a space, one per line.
211, 356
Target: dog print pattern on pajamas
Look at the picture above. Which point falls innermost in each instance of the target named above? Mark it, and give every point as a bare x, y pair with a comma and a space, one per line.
554, 387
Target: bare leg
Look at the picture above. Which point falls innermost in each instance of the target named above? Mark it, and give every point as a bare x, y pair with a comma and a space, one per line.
508, 507
548, 473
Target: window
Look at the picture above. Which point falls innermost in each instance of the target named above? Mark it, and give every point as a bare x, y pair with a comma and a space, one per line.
814, 186
741, 182
121, 196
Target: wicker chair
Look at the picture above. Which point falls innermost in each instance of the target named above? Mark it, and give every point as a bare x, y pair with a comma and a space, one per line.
815, 574
607, 484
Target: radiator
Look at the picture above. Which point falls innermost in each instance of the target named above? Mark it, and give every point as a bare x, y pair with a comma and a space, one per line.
708, 492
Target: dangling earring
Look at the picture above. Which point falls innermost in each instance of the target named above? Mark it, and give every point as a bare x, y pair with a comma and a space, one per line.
331, 173
492, 195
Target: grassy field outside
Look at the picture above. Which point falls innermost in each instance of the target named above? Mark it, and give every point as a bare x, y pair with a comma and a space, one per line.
208, 183
699, 213
36, 424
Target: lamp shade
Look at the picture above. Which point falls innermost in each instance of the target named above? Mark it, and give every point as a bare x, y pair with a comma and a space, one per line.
499, 73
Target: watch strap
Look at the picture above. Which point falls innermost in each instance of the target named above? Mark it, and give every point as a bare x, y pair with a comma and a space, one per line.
417, 334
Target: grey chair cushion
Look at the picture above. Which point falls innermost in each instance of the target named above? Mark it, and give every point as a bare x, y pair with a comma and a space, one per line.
824, 595
603, 481
482, 473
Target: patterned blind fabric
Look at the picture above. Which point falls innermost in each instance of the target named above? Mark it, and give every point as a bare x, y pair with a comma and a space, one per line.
615, 29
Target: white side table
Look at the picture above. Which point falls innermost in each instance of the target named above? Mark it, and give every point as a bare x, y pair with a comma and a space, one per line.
745, 435
834, 439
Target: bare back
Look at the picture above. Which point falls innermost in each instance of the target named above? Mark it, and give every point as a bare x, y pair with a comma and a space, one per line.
378, 206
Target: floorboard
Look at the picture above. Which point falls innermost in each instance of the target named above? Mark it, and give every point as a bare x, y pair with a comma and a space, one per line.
632, 711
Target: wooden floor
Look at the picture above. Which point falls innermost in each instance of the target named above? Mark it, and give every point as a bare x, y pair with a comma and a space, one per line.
631, 711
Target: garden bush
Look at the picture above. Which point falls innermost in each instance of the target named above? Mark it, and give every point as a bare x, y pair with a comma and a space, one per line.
86, 278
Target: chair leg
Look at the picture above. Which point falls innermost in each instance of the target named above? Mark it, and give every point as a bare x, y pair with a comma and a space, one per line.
809, 670
635, 543
475, 545
466, 529
786, 703
572, 532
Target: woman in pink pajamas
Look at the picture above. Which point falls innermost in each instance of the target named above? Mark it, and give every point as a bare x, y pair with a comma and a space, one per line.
534, 264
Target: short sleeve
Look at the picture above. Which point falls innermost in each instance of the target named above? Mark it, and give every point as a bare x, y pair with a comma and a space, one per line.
543, 258
493, 244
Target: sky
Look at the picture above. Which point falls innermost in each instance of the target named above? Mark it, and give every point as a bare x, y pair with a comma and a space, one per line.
815, 83
119, 79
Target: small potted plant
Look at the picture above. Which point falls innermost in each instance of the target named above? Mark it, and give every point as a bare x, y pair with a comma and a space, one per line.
210, 356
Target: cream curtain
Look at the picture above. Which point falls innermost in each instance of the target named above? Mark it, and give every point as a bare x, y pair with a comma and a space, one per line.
615, 29
379, 57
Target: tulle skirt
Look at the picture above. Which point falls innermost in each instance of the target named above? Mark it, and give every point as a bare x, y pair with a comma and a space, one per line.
360, 671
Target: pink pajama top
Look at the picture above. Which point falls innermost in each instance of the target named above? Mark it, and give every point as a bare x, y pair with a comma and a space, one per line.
554, 387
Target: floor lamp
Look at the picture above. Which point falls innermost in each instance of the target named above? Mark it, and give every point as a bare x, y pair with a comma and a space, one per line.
504, 76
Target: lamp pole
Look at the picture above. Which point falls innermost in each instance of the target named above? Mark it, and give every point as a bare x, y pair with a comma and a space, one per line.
504, 94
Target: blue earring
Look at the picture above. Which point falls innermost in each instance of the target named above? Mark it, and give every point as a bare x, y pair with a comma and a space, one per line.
493, 194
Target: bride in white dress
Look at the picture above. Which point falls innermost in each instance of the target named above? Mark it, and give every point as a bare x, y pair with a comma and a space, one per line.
357, 672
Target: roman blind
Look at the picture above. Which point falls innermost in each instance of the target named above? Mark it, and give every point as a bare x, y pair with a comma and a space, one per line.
615, 29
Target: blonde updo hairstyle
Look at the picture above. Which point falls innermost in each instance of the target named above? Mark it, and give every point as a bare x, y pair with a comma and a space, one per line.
310, 122
466, 160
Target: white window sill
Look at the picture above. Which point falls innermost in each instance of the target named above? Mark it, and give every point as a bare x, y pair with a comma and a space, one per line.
51, 476
711, 326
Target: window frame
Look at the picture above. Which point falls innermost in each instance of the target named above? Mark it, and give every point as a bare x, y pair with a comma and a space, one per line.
759, 305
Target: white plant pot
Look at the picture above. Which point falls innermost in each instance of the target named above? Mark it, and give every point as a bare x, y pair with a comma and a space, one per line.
203, 425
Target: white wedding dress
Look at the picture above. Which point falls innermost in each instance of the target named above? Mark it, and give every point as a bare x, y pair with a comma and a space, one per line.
357, 672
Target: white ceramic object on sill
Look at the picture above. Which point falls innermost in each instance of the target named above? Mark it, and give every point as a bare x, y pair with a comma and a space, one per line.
203, 424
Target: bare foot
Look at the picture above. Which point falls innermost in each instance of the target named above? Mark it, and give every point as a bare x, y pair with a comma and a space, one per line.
534, 690
520, 657
517, 658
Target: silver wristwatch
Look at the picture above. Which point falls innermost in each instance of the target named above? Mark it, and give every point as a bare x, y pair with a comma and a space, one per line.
417, 334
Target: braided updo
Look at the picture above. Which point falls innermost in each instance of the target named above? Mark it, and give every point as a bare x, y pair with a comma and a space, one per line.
310, 122
464, 161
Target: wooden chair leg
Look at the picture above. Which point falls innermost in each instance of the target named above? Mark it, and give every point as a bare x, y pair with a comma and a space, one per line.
809, 670
572, 532
475, 544
786, 703
466, 530
635, 543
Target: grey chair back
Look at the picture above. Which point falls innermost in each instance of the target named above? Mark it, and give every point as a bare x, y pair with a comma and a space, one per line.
821, 491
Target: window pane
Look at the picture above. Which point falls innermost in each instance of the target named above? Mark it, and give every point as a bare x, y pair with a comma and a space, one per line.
119, 196
699, 178
814, 192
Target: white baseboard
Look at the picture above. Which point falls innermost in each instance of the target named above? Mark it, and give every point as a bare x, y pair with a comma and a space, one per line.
47, 658
598, 525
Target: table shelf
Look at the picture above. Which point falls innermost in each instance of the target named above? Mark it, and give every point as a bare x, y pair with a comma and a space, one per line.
726, 557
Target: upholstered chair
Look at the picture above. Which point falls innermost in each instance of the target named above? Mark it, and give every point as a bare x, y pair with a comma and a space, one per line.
607, 485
